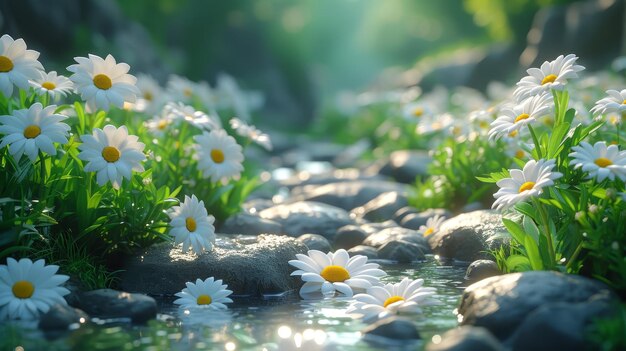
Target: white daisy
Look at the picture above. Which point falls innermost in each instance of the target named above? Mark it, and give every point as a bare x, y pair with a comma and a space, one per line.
52, 84
512, 119
150, 93
525, 183
103, 82
29, 288
180, 88
198, 119
615, 102
600, 161
404, 297
192, 226
251, 132
159, 124
30, 130
327, 273
208, 294
551, 75
112, 153
416, 111
18, 65
231, 96
219, 156
432, 225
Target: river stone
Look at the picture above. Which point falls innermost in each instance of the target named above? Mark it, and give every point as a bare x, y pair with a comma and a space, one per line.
394, 328
60, 317
368, 251
349, 236
308, 217
481, 269
403, 212
467, 338
502, 303
405, 165
315, 242
372, 228
397, 233
248, 224
253, 206
382, 207
401, 251
109, 303
348, 195
253, 266
469, 236
416, 220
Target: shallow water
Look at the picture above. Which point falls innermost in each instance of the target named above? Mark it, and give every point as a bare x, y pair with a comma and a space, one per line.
271, 323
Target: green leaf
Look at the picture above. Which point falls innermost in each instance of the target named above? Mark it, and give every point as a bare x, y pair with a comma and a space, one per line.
515, 229
531, 228
532, 251
527, 209
518, 263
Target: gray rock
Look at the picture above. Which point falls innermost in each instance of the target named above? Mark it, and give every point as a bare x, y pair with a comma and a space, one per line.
405, 165
256, 266
348, 195
466, 338
349, 236
60, 317
247, 224
481, 269
469, 236
372, 228
403, 212
502, 303
315, 242
368, 251
254, 206
302, 179
383, 207
397, 233
394, 328
401, 251
109, 303
415, 221
308, 217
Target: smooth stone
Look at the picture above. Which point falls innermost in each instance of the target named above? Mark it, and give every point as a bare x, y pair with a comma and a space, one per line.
315, 242
469, 236
502, 303
405, 166
403, 212
368, 251
308, 217
109, 303
394, 328
416, 220
466, 338
481, 269
254, 206
401, 251
251, 266
383, 207
349, 236
397, 233
372, 228
248, 224
301, 179
61, 317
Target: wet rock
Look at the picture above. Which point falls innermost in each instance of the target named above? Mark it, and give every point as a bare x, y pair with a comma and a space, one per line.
254, 206
401, 251
303, 178
394, 328
397, 233
467, 338
502, 303
405, 165
469, 236
60, 317
348, 195
109, 303
73, 298
254, 266
372, 228
403, 212
315, 242
382, 207
308, 217
247, 224
416, 220
481, 269
368, 251
349, 236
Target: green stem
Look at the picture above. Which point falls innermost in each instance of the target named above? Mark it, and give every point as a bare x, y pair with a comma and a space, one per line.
535, 141
546, 228
574, 256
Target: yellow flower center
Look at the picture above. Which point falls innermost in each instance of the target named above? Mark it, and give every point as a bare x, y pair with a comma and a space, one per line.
392, 299
603, 162
6, 65
513, 134
550, 78
217, 155
521, 117
613, 119
483, 124
148, 96
48, 85
428, 231
32, 131
111, 154
23, 289
335, 274
624, 102
187, 92
526, 186
191, 224
519, 154
204, 300
102, 81
418, 112
162, 124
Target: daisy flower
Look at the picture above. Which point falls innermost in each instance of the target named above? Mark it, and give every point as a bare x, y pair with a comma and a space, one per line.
52, 84
219, 156
103, 82
180, 88
159, 124
432, 225
551, 75
208, 294
198, 119
416, 111
525, 183
404, 297
335, 272
31, 130
150, 93
615, 102
251, 132
192, 226
112, 153
512, 119
600, 161
17, 65
29, 288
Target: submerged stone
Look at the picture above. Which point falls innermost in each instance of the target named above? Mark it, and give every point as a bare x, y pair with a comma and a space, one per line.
61, 317
466, 338
401, 251
109, 303
393, 328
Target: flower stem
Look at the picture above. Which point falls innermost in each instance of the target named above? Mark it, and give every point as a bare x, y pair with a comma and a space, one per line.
546, 228
535, 141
